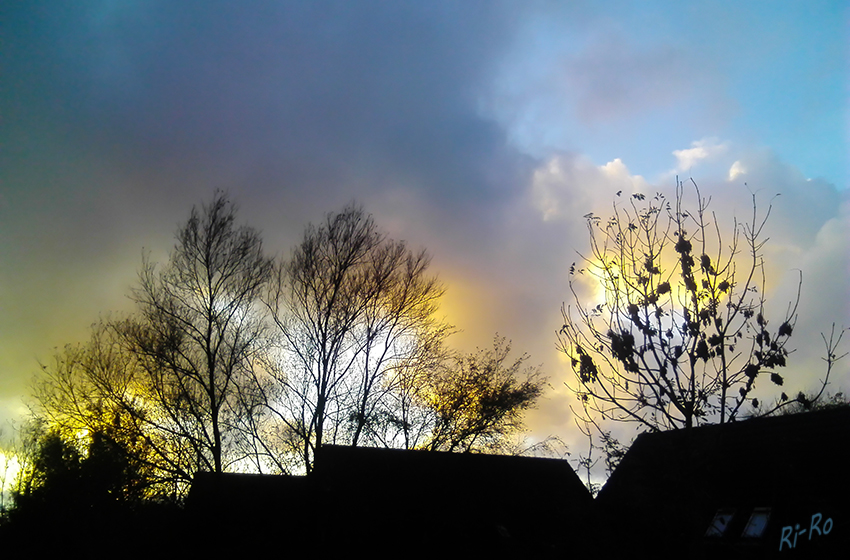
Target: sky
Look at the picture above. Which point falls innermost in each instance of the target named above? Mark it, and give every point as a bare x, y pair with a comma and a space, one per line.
480, 130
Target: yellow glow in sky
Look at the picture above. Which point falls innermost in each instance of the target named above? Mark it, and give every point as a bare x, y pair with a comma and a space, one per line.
9, 469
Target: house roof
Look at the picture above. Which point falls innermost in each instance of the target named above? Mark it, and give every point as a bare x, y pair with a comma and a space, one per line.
488, 499
383, 499
670, 486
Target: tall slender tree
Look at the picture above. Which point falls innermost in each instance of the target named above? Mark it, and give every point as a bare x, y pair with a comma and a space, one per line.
174, 383
198, 334
354, 309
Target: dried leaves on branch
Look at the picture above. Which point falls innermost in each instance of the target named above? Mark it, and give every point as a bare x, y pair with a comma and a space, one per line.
681, 336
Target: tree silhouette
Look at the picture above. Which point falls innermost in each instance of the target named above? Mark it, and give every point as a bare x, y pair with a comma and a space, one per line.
83, 474
85, 491
479, 399
820, 400
197, 335
175, 382
233, 363
96, 388
681, 337
354, 310
362, 358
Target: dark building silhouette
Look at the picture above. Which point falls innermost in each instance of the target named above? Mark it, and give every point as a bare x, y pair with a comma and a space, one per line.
411, 503
760, 488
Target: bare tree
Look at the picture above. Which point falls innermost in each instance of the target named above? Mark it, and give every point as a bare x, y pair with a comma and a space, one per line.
175, 384
480, 399
405, 416
354, 310
399, 332
681, 336
196, 380
198, 334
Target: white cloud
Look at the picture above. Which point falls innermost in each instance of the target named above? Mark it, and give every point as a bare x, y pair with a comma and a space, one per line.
705, 149
737, 170
807, 230
569, 186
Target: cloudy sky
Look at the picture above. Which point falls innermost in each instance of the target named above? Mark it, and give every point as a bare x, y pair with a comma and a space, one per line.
482, 131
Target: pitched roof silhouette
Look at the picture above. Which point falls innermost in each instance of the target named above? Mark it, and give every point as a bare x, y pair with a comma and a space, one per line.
754, 482
386, 501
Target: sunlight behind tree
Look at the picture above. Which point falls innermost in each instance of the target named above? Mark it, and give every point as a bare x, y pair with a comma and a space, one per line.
681, 336
10, 468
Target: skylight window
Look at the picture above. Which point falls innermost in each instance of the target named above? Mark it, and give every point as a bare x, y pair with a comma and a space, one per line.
757, 524
720, 523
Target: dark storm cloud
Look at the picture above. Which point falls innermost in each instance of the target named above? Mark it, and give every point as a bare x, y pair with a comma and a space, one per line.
312, 95
122, 115
119, 115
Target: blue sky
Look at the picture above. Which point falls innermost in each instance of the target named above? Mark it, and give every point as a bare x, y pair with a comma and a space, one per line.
482, 131
637, 80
